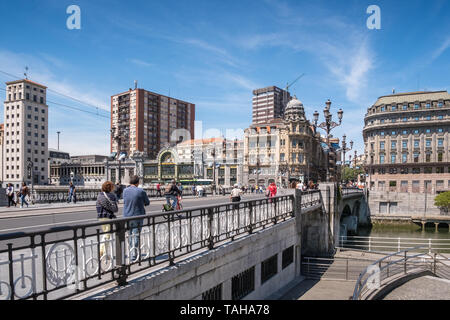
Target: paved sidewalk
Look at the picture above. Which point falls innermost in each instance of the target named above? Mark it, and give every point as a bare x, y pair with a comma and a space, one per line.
321, 290
422, 288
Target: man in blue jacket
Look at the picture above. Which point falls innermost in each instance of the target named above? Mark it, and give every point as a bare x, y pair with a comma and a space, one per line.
134, 200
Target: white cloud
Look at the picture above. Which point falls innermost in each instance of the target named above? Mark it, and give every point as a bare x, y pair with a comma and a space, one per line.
43, 71
140, 63
445, 45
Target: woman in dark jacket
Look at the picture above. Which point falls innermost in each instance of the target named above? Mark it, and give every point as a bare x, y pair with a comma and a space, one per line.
106, 207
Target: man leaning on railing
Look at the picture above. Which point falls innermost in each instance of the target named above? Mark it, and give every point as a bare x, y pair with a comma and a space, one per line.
134, 200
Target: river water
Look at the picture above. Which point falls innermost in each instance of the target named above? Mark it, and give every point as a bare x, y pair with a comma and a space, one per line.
392, 237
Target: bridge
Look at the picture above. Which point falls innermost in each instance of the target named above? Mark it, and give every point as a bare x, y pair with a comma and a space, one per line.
247, 250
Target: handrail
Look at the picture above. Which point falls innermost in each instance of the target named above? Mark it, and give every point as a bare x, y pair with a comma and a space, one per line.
360, 285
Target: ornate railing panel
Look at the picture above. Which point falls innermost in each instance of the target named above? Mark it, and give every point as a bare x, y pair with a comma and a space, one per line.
64, 261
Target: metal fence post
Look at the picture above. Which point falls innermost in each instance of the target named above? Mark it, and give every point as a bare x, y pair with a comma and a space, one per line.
404, 264
429, 245
120, 269
250, 212
210, 223
370, 243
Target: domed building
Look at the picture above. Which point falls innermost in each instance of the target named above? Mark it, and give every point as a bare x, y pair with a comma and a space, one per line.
284, 150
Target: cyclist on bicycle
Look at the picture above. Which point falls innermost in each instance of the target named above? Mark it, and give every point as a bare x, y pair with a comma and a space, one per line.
171, 193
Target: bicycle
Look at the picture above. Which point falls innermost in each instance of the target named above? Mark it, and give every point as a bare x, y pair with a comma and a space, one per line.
168, 207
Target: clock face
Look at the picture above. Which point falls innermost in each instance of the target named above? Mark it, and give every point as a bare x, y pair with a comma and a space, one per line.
167, 158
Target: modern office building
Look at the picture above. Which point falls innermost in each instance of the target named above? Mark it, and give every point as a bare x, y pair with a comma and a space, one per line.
25, 147
268, 104
407, 144
146, 121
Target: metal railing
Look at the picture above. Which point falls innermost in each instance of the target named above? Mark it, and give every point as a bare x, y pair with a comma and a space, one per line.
62, 195
310, 198
392, 244
350, 191
397, 265
335, 268
65, 261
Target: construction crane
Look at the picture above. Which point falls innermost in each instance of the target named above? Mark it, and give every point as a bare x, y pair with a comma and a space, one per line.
286, 90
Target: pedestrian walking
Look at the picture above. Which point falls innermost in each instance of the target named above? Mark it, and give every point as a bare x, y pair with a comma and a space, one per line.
72, 193
194, 190
158, 190
200, 191
24, 191
236, 193
106, 208
10, 194
134, 201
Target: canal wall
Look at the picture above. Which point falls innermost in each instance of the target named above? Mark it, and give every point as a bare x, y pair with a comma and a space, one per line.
400, 206
235, 263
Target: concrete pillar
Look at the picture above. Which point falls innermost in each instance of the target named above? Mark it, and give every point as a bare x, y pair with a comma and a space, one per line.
423, 226
436, 225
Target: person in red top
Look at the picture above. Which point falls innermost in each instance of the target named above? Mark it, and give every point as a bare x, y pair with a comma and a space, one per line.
272, 190
158, 190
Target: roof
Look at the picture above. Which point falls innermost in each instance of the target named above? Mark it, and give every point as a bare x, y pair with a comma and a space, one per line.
26, 80
202, 141
411, 97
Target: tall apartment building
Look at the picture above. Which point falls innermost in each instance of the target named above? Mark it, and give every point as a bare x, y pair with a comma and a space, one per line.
269, 103
2, 159
407, 142
25, 148
146, 121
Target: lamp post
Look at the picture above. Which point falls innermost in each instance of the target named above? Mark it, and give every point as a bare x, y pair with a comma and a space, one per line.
118, 139
327, 125
213, 154
355, 158
345, 149
30, 173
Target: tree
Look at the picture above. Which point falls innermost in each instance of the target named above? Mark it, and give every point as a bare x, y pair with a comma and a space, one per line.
349, 174
442, 200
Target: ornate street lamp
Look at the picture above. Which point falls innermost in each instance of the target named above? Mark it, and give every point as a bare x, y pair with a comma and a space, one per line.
118, 140
327, 125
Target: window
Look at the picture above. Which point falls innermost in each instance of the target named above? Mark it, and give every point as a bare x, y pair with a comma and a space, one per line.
382, 121
405, 119
382, 133
416, 157
382, 145
416, 131
428, 170
440, 130
416, 106
428, 118
393, 156
416, 118
427, 157
287, 257
405, 144
393, 144
428, 143
440, 104
439, 169
416, 143
428, 106
440, 117
394, 108
404, 157
393, 133
382, 108
405, 132
428, 131
269, 268
440, 142
440, 155
381, 158
405, 107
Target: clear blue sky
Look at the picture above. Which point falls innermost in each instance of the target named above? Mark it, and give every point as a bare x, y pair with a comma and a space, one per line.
213, 53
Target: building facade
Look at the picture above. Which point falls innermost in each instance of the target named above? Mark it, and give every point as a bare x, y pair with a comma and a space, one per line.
87, 170
284, 150
25, 147
146, 121
407, 144
268, 104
